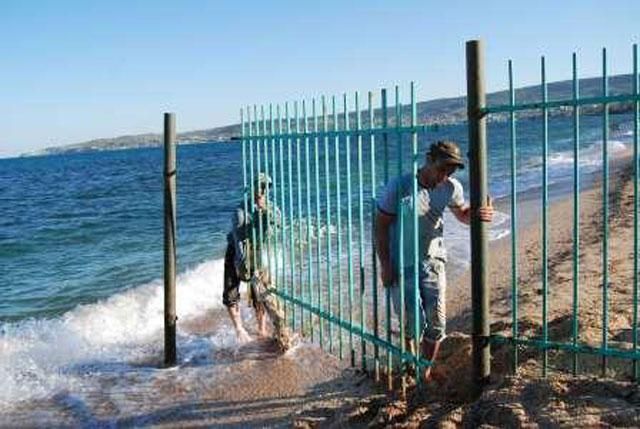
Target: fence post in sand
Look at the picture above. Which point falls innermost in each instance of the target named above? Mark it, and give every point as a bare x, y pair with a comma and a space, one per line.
169, 239
476, 101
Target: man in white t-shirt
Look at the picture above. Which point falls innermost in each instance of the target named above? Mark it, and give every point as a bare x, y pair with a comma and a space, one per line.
437, 190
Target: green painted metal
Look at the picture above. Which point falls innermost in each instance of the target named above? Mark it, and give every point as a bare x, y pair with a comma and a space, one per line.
563, 103
265, 147
400, 250
361, 271
273, 193
576, 211
387, 291
514, 220
557, 345
327, 194
604, 350
316, 162
349, 227
258, 135
252, 174
358, 331
374, 261
416, 244
636, 174
307, 217
282, 284
292, 259
545, 215
299, 263
605, 213
405, 129
339, 219
314, 305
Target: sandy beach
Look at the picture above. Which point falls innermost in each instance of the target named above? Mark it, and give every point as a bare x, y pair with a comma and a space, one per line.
252, 386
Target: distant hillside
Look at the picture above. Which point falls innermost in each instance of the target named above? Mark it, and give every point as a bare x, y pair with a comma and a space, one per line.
442, 111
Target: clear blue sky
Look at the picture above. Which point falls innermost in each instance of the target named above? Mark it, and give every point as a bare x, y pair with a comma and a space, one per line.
71, 71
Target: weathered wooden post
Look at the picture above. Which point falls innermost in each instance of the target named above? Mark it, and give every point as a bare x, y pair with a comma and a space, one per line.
476, 101
169, 239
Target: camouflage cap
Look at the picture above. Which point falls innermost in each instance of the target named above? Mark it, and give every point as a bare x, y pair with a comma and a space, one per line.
262, 183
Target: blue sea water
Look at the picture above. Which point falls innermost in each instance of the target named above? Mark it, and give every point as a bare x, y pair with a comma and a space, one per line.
81, 236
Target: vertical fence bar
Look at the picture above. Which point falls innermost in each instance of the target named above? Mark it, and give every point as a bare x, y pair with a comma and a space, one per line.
259, 139
476, 100
308, 217
576, 209
170, 226
273, 271
636, 172
363, 346
545, 220
292, 260
316, 162
374, 266
349, 228
283, 225
414, 228
266, 214
245, 190
400, 214
339, 218
299, 217
252, 127
605, 212
514, 221
387, 291
325, 128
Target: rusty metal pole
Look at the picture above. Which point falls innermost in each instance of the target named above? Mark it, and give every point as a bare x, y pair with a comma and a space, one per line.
170, 239
476, 101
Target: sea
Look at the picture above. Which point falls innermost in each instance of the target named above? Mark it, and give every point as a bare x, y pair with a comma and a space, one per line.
81, 236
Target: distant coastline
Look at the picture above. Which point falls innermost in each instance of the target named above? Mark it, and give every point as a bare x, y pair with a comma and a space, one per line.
444, 111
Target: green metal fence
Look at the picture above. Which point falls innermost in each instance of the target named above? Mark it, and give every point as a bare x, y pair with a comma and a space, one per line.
545, 106
321, 255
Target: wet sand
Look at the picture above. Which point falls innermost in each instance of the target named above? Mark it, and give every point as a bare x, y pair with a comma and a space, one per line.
247, 386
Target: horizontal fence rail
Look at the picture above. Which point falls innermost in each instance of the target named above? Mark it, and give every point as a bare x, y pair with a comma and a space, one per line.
574, 344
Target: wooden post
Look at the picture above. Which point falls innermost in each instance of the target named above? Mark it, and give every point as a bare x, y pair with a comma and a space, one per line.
477, 125
169, 239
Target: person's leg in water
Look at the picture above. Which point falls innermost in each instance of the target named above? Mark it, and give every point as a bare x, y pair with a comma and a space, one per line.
261, 319
241, 334
268, 304
231, 295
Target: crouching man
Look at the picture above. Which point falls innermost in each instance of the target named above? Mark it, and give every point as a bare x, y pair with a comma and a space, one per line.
240, 265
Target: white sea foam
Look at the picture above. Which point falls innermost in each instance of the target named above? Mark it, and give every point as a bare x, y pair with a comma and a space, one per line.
40, 357
590, 156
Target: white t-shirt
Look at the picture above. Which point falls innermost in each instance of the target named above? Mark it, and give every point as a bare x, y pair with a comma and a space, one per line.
398, 198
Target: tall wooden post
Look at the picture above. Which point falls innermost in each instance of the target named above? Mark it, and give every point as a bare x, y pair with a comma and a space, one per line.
476, 101
170, 239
